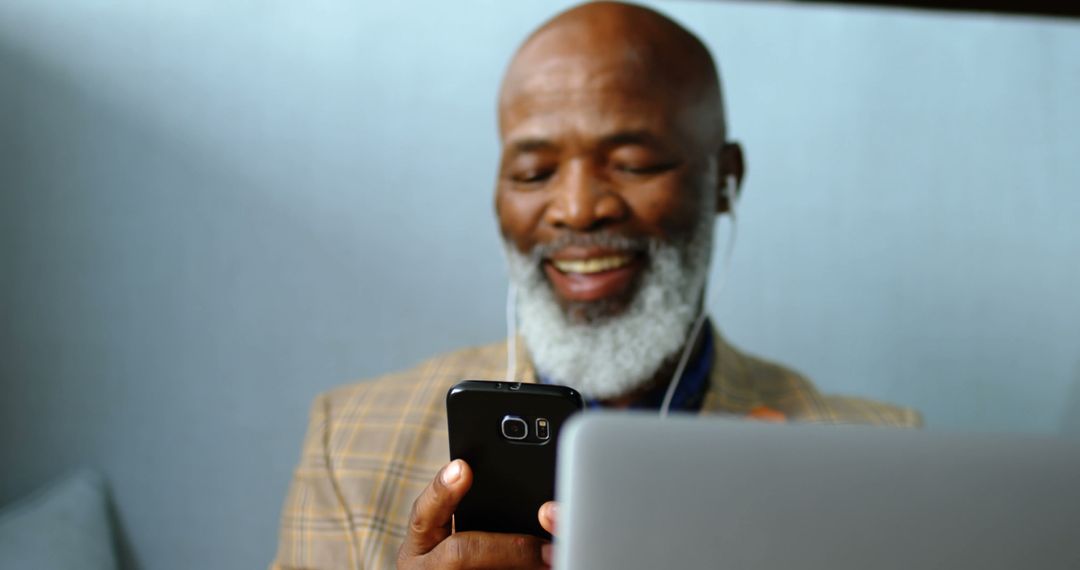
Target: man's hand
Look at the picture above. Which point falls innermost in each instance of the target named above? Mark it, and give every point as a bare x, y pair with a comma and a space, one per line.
430, 543
547, 514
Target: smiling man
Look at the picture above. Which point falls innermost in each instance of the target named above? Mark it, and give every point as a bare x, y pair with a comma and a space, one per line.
614, 152
615, 165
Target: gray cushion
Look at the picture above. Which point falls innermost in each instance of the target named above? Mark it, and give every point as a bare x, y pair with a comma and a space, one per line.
64, 525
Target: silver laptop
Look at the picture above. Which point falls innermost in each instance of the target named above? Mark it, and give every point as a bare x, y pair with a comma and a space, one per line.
639, 492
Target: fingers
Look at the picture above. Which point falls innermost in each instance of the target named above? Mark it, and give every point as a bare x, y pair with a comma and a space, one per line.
547, 514
429, 523
429, 543
478, 550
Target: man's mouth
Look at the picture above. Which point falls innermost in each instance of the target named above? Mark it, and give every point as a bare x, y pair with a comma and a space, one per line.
593, 265
592, 274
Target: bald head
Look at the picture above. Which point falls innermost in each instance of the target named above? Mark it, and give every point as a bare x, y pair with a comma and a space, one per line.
613, 47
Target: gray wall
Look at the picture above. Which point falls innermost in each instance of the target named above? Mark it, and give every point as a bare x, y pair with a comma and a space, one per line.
210, 211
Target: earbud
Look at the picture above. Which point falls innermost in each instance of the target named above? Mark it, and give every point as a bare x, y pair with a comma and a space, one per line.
731, 187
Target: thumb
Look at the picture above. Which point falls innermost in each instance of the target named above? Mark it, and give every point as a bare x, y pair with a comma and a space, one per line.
548, 514
429, 523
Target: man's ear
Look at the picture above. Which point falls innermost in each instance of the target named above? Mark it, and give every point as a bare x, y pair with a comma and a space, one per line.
732, 165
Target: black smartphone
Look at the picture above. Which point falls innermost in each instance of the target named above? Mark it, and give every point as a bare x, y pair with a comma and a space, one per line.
507, 432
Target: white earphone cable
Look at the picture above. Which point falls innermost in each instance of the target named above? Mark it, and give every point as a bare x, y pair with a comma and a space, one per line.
511, 332
665, 406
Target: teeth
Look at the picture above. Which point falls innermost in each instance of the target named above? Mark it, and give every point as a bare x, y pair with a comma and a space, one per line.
593, 265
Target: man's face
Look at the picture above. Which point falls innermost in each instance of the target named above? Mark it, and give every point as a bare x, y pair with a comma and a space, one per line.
596, 164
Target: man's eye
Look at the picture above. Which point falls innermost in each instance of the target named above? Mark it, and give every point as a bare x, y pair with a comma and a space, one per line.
644, 169
532, 176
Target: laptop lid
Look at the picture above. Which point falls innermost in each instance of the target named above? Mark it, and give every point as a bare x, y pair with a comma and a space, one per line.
640, 492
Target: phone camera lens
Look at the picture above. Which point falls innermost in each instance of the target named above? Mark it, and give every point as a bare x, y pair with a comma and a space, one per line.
514, 427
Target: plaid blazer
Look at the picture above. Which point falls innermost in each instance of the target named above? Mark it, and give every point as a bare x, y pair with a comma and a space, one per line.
372, 446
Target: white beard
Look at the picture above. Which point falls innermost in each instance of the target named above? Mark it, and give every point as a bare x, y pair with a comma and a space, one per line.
610, 356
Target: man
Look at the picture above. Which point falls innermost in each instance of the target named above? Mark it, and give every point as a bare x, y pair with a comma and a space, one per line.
614, 164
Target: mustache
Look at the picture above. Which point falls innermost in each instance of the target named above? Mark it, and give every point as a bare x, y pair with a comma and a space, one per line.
604, 239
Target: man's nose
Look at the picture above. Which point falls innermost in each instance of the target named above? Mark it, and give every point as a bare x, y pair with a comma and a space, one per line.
584, 201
